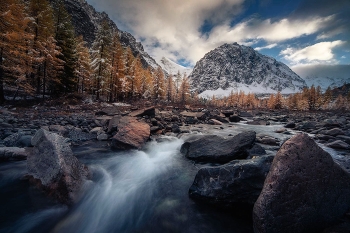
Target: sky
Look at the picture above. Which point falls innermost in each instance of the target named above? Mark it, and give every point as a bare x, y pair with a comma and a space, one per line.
296, 32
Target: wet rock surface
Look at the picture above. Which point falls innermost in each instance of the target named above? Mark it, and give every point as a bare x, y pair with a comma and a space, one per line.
212, 148
52, 167
305, 190
131, 134
231, 185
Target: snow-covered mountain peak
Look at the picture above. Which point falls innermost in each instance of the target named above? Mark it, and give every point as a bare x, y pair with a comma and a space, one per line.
173, 68
234, 67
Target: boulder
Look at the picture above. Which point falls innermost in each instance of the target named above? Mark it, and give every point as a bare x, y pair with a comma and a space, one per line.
131, 134
268, 140
290, 125
18, 140
212, 148
309, 125
13, 154
102, 137
77, 135
256, 151
344, 138
245, 114
214, 122
231, 185
151, 112
227, 113
53, 167
338, 144
220, 118
235, 118
334, 132
305, 190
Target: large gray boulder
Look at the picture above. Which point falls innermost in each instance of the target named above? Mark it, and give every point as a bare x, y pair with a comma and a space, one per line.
232, 184
53, 167
132, 134
212, 148
305, 190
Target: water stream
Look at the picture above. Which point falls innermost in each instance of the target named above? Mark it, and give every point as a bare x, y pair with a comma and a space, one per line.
133, 191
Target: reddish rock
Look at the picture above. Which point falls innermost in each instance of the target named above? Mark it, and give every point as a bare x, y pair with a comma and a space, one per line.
143, 112
131, 134
305, 190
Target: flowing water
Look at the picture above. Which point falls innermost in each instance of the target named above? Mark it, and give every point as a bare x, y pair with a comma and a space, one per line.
134, 191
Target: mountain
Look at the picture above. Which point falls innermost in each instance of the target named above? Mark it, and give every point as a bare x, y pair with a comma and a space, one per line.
87, 20
324, 75
234, 67
173, 68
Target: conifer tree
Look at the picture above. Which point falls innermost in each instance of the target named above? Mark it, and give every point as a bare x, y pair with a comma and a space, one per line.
45, 52
138, 74
66, 41
328, 95
83, 69
278, 101
129, 73
158, 84
185, 91
147, 83
178, 80
170, 89
101, 59
15, 62
271, 101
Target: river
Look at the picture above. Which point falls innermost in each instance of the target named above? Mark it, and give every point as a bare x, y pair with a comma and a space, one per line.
133, 191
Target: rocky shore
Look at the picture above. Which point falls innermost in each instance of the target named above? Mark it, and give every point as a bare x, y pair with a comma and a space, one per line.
253, 168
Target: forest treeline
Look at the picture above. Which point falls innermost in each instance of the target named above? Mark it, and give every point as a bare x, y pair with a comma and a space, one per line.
40, 55
308, 99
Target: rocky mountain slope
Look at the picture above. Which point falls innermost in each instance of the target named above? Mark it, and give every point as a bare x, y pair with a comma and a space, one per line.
237, 67
172, 68
87, 20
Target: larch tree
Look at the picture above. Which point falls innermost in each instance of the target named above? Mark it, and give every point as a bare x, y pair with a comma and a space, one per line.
178, 80
15, 61
271, 101
170, 89
47, 65
279, 101
185, 90
158, 84
147, 83
138, 75
83, 69
129, 73
101, 59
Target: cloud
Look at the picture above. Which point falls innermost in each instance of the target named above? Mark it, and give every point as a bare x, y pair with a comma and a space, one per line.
270, 46
174, 28
323, 70
317, 53
174, 25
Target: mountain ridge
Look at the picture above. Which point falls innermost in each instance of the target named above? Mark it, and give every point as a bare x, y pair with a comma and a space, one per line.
86, 20
234, 67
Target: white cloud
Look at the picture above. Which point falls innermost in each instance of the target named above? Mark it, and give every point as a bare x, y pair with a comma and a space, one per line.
175, 26
315, 54
270, 46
